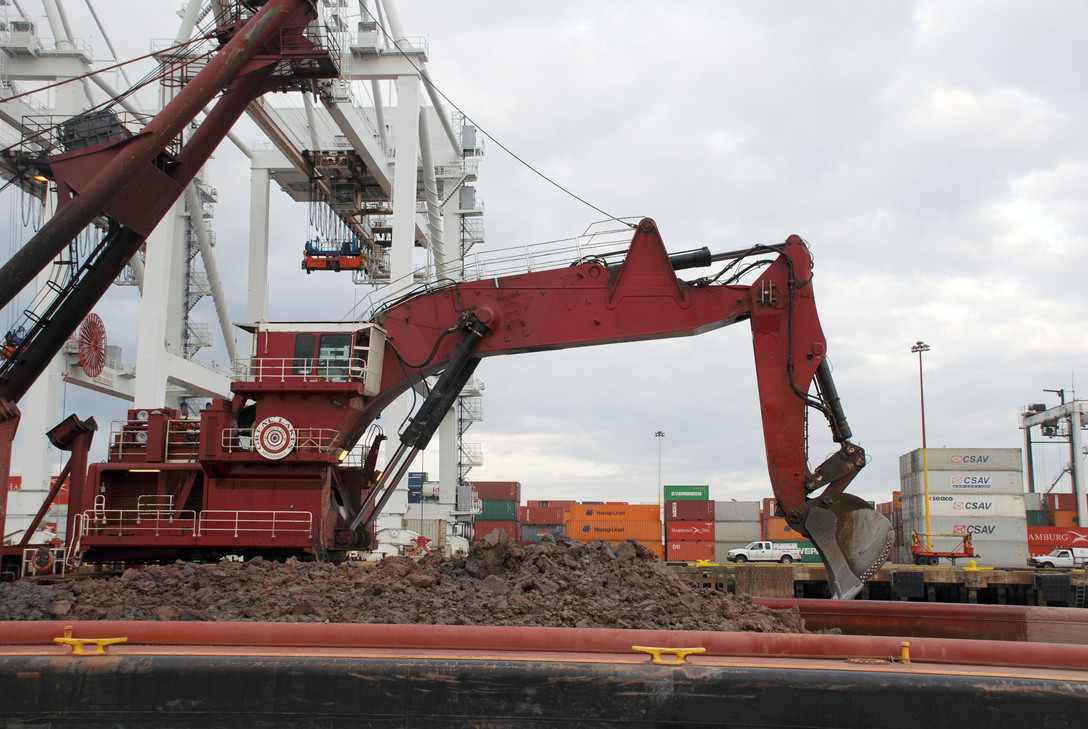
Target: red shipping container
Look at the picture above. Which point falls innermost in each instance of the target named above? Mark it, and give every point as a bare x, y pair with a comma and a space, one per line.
498, 490
1057, 537
689, 510
689, 551
690, 531
552, 515
512, 529
551, 503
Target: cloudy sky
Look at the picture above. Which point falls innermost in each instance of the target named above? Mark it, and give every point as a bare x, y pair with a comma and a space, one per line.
933, 154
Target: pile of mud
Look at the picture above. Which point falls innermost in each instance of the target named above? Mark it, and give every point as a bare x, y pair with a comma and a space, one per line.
553, 584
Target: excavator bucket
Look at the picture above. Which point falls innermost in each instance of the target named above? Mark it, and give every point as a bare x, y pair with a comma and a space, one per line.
853, 540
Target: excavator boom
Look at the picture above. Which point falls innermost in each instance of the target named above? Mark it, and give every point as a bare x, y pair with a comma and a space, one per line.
597, 303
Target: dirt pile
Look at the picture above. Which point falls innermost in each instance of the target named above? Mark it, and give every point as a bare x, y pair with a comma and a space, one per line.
552, 584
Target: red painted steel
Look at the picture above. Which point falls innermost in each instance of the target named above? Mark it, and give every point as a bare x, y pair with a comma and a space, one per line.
689, 511
555, 640
689, 531
940, 620
687, 551
483, 528
543, 515
497, 490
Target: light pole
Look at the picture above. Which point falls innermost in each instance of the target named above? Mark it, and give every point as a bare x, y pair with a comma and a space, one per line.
920, 347
660, 435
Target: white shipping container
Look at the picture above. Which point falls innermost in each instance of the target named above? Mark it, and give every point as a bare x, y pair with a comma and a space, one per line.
737, 531
1033, 502
433, 529
736, 511
993, 553
964, 482
968, 506
721, 549
992, 529
962, 459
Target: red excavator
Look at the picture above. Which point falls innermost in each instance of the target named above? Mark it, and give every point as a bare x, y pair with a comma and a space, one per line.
263, 471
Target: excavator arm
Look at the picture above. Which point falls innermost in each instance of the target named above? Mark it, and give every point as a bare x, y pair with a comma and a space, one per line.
592, 302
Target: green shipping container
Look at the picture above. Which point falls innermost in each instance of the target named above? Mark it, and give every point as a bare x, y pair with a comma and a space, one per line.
498, 511
808, 551
1037, 518
687, 493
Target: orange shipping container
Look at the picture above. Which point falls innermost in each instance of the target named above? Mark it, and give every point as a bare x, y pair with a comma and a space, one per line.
541, 515
483, 528
689, 551
1065, 518
776, 528
615, 512
592, 530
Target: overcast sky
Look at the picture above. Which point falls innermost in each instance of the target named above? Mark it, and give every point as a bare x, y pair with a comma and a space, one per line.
933, 154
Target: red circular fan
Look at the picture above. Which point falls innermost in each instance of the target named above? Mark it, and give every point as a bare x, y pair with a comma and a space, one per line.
92, 345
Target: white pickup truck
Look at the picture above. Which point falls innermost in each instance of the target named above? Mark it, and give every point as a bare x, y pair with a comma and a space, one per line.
1071, 557
784, 552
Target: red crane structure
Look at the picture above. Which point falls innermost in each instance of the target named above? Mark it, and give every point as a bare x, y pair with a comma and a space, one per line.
263, 471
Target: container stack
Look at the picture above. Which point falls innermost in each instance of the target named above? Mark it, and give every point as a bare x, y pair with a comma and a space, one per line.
616, 523
893, 510
499, 508
736, 523
689, 524
1061, 510
976, 491
538, 522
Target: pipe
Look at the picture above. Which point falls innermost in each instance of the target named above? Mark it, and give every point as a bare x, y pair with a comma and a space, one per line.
196, 219
514, 640
430, 188
188, 22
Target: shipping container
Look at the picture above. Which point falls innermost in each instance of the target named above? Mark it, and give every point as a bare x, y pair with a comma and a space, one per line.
1001, 554
961, 459
737, 531
721, 549
498, 511
689, 510
964, 482
483, 528
687, 493
808, 552
588, 531
689, 531
1058, 536
1034, 502
498, 490
968, 505
689, 551
553, 515
551, 504
777, 528
1064, 518
1038, 518
993, 529
537, 532
615, 512
1059, 502
736, 511
432, 529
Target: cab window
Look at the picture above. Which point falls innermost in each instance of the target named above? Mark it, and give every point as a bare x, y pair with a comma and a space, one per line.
303, 361
334, 357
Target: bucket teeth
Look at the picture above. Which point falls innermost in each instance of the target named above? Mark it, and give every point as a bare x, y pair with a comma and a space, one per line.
852, 538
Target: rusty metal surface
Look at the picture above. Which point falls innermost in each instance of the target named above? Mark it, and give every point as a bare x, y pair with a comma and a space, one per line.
941, 620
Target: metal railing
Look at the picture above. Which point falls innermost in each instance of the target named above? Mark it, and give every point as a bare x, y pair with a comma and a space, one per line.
252, 523
271, 369
149, 522
313, 440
